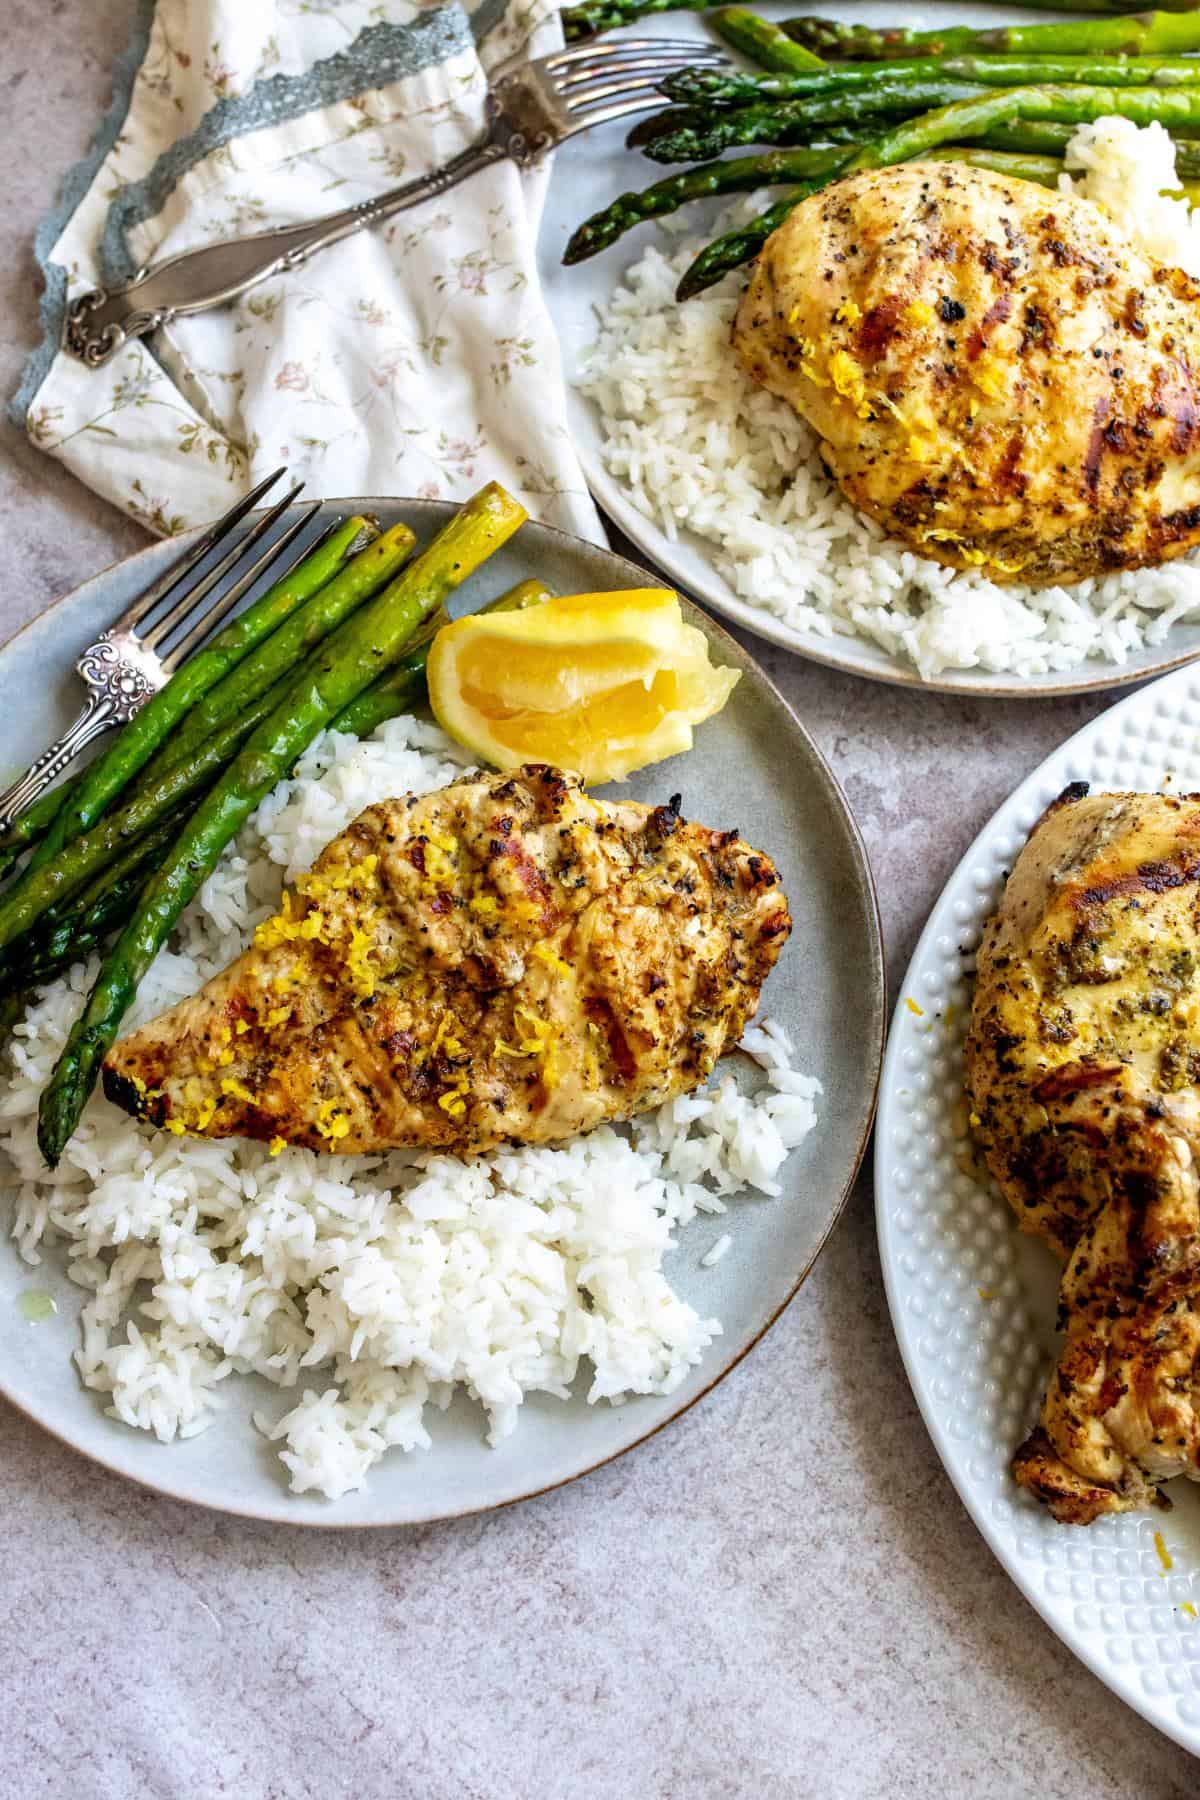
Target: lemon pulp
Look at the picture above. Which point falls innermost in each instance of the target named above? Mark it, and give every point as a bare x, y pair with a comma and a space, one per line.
599, 683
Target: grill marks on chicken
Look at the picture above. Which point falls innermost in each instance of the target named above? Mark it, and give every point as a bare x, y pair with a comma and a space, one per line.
997, 375
1083, 1076
506, 960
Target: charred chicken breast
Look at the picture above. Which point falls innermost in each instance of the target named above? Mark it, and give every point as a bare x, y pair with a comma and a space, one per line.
997, 376
506, 960
1083, 1079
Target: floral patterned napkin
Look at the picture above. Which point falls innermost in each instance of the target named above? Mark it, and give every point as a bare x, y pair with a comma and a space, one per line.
416, 359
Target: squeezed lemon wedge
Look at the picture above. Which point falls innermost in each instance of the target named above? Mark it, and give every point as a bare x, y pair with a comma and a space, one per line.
602, 684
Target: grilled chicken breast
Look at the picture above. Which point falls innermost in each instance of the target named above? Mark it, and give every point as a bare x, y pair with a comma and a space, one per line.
506, 960
997, 376
1083, 1078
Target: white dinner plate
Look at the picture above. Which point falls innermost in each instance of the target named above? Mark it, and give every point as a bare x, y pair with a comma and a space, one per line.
973, 1301
754, 767
588, 173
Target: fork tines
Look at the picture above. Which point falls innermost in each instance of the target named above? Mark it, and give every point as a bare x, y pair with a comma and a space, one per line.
175, 633
615, 50
212, 537
599, 82
210, 618
193, 596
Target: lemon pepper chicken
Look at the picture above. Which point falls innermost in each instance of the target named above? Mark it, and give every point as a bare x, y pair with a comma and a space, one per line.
1083, 1078
997, 376
505, 960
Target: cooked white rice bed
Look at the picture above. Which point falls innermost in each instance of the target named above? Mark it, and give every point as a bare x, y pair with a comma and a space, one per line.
698, 447
371, 1285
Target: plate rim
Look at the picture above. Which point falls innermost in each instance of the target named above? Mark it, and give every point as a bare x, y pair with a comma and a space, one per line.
890, 1077
277, 1512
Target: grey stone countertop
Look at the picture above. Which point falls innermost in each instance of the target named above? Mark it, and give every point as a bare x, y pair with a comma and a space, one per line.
781, 1595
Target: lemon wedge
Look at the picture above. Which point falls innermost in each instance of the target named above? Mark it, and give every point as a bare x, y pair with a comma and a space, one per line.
599, 683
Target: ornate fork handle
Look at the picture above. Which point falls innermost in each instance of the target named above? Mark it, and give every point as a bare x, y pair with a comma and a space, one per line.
99, 322
117, 691
97, 717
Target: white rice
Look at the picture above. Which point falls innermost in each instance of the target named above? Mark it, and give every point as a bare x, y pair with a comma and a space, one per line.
698, 447
1129, 171
370, 1286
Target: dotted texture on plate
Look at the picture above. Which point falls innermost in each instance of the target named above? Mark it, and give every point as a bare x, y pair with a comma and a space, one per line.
972, 1300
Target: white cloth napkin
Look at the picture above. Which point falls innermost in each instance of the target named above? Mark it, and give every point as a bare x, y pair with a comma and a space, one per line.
415, 359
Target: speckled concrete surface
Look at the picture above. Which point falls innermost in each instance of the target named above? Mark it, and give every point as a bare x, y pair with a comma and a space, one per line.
779, 1596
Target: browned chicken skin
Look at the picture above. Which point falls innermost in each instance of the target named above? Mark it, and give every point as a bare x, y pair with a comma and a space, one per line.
506, 960
998, 376
1083, 1078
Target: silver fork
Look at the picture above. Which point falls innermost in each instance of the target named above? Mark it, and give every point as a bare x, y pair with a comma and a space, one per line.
124, 667
531, 110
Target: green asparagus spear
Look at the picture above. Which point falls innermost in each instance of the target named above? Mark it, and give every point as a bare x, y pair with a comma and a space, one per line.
1042, 137
84, 923
133, 747
345, 665
71, 932
1176, 108
1044, 171
1139, 34
738, 175
800, 121
287, 647
698, 118
763, 43
33, 823
730, 87
736, 87
12, 1011
531, 592
591, 16
695, 118
669, 118
741, 245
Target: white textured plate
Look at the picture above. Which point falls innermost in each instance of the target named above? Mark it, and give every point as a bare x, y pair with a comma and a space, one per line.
754, 767
591, 171
977, 1359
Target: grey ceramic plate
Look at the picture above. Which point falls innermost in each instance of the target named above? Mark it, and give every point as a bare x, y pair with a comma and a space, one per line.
754, 767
